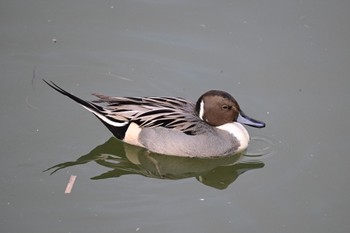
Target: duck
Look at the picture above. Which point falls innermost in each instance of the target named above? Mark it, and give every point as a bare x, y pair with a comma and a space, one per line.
211, 127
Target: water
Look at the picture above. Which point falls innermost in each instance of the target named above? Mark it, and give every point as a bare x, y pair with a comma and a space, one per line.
286, 62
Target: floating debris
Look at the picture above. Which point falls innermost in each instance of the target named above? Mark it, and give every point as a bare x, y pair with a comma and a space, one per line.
70, 184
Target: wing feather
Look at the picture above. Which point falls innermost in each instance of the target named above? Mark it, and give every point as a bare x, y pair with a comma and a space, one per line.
170, 112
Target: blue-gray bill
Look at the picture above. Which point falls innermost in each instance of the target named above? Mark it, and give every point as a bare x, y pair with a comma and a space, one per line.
246, 120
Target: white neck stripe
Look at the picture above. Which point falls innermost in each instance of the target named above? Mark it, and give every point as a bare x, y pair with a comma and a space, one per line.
201, 110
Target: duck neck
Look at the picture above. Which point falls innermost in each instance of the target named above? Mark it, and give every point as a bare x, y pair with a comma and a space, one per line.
238, 131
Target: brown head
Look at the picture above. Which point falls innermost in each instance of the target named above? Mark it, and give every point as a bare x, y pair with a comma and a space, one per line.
218, 107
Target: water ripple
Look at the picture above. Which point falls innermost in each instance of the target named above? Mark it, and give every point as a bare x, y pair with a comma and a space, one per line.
262, 146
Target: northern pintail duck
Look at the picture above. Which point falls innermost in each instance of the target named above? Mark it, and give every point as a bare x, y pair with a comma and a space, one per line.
212, 127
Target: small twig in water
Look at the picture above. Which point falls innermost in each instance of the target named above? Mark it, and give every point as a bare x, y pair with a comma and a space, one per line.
70, 184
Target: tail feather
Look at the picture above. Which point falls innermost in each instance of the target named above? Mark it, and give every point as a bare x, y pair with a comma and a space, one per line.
118, 128
90, 106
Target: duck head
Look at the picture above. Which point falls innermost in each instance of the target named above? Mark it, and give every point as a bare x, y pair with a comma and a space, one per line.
218, 108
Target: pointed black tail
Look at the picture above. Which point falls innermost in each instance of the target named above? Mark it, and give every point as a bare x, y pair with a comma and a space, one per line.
118, 128
93, 107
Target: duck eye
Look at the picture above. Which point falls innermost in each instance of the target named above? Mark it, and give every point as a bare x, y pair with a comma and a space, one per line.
225, 107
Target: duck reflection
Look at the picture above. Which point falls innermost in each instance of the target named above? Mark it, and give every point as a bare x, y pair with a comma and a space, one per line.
123, 159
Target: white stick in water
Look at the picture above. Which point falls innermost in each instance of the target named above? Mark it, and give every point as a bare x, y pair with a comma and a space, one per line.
70, 184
